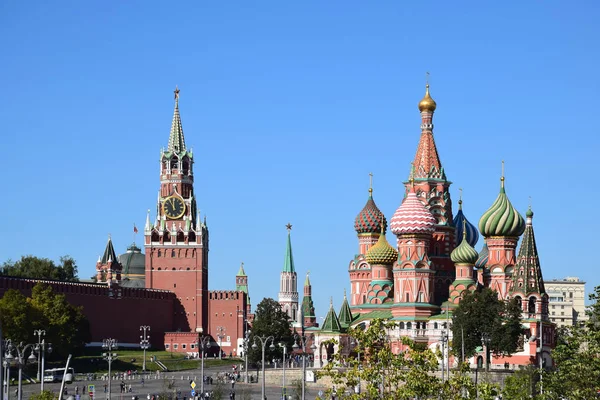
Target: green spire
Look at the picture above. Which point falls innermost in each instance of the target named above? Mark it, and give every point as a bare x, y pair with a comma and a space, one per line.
345, 313
176, 140
288, 265
241, 272
307, 281
331, 323
109, 253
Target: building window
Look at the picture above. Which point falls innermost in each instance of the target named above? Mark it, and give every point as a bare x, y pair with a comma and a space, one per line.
562, 313
175, 346
192, 346
167, 346
184, 346
553, 307
228, 339
562, 307
570, 295
552, 312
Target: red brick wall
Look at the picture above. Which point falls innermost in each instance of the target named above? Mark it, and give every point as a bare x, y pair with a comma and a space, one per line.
119, 319
226, 309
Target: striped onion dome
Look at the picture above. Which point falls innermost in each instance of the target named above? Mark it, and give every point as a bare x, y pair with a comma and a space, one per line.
459, 219
382, 253
484, 255
369, 218
502, 219
464, 253
412, 217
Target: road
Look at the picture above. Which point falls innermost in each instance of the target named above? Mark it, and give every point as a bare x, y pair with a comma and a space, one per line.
154, 385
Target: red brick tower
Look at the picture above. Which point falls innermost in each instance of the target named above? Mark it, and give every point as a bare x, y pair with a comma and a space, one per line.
177, 244
433, 189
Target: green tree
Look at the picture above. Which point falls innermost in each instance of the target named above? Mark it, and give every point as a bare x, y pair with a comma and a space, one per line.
520, 385
270, 320
45, 395
16, 316
66, 326
381, 374
577, 359
482, 313
42, 268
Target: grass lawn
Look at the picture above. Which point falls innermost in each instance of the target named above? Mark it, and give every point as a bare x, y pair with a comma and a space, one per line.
92, 362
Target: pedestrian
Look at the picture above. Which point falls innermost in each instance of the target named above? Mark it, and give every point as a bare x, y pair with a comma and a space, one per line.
76, 390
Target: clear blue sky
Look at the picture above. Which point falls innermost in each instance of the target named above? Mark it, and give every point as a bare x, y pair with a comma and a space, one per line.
288, 106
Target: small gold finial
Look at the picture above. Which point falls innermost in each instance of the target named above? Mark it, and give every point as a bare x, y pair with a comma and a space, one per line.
109, 238
427, 78
331, 302
176, 91
308, 272
530, 202
464, 229
288, 227
412, 175
460, 199
242, 264
427, 103
502, 177
370, 183
344, 292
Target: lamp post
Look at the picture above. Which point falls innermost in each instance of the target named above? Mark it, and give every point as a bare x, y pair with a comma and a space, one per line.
485, 341
109, 345
41, 351
263, 342
246, 340
40, 333
20, 351
444, 342
284, 346
144, 342
356, 343
303, 340
203, 343
6, 382
220, 336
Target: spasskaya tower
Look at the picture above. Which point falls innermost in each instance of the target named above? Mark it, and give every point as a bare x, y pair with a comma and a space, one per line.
176, 243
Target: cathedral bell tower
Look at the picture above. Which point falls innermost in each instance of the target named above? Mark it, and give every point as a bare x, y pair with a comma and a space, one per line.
177, 243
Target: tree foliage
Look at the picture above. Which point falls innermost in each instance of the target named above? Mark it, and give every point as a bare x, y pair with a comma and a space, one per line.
521, 384
381, 374
577, 359
66, 326
41, 268
270, 320
482, 313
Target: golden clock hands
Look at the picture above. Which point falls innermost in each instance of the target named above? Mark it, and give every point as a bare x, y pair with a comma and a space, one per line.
173, 202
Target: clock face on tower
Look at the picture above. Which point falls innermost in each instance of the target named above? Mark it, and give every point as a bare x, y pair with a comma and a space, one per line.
173, 207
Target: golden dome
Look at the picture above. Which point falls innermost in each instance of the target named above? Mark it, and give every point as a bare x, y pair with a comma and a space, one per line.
427, 104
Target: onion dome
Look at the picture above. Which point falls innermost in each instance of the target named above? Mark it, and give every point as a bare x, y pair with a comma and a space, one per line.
502, 219
381, 253
529, 213
484, 255
370, 218
462, 224
427, 104
412, 217
464, 253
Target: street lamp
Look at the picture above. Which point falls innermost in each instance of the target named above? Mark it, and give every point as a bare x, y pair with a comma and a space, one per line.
109, 345
284, 346
485, 341
20, 350
356, 343
203, 343
303, 340
246, 341
444, 343
220, 336
263, 342
144, 342
41, 351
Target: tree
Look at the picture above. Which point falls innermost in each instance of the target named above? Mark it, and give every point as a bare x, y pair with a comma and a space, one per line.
66, 326
270, 320
381, 374
577, 359
521, 384
42, 268
482, 313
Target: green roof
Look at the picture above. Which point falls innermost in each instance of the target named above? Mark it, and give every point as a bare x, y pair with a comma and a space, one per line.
241, 272
288, 265
381, 314
109, 253
176, 139
345, 313
331, 323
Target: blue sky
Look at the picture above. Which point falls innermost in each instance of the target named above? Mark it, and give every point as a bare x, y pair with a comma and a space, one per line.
288, 106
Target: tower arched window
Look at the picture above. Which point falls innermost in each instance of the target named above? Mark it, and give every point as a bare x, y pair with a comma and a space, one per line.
531, 305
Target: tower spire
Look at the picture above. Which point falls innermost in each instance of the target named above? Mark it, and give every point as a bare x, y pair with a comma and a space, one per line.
427, 161
288, 265
176, 139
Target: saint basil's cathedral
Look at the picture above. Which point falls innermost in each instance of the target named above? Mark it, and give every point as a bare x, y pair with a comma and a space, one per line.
419, 281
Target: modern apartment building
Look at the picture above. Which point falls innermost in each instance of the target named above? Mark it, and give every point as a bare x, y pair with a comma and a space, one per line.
567, 300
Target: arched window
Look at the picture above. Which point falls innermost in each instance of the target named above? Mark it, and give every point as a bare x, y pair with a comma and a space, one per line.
408, 325
531, 305
401, 325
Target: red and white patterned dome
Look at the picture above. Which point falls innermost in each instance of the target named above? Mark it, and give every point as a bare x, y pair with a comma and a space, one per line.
412, 217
